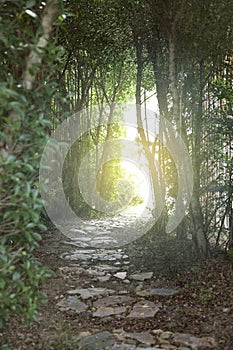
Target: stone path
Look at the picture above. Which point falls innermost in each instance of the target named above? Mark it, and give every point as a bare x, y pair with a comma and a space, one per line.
107, 232
110, 291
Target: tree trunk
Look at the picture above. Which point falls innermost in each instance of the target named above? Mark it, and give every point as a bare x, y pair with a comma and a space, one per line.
199, 234
34, 59
145, 142
172, 74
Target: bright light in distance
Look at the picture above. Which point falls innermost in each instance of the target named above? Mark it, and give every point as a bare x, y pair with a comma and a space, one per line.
137, 179
131, 133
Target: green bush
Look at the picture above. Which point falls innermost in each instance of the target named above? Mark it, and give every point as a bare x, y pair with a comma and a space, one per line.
20, 204
25, 115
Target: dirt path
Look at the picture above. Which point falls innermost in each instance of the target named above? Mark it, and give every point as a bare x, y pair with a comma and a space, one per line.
99, 299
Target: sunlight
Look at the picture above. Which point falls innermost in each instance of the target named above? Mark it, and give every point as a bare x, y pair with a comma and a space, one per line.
135, 175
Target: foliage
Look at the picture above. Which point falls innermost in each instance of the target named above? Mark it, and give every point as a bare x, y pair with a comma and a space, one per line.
184, 45
24, 121
21, 204
98, 71
136, 200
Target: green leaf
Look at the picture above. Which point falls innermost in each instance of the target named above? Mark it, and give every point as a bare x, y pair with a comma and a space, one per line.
36, 236
19, 175
30, 3
30, 225
17, 107
46, 122
11, 158
17, 189
3, 137
28, 236
29, 167
16, 276
28, 265
7, 214
42, 227
2, 283
35, 194
25, 206
28, 187
3, 38
24, 137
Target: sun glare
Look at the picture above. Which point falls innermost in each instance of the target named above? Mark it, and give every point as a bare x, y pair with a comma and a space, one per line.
137, 178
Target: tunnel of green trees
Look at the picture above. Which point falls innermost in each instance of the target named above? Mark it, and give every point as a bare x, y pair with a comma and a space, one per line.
61, 58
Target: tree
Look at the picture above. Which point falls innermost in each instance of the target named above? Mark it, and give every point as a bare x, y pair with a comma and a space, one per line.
181, 39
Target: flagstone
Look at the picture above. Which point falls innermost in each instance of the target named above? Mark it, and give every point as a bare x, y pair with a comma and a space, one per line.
104, 278
123, 346
194, 342
151, 349
94, 272
108, 268
143, 337
157, 291
121, 275
113, 300
87, 293
109, 311
97, 341
72, 303
141, 276
144, 309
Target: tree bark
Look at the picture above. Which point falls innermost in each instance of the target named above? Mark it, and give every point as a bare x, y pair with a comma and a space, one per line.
199, 234
172, 72
51, 11
144, 140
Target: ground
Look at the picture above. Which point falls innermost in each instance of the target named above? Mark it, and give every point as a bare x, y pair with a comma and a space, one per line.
185, 296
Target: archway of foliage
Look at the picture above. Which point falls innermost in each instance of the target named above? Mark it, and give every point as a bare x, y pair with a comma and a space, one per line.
179, 49
111, 51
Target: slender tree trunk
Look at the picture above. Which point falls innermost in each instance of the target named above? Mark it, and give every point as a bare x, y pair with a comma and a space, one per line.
145, 142
111, 102
199, 234
230, 199
161, 84
172, 75
105, 166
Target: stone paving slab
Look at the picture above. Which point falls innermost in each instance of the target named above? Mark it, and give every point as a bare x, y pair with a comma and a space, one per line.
104, 311
193, 342
104, 278
142, 337
97, 341
114, 300
89, 293
144, 309
141, 276
107, 268
124, 347
72, 269
151, 348
157, 291
72, 303
121, 275
95, 272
